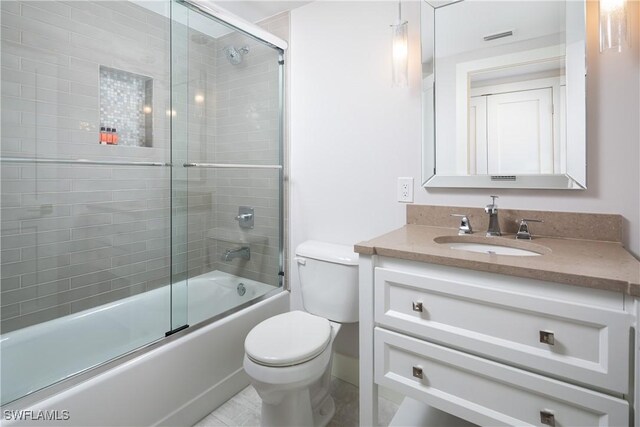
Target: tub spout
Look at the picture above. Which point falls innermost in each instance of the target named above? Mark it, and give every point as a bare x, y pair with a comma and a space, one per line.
243, 253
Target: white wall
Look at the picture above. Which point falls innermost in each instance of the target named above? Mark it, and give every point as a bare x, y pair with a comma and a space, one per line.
352, 135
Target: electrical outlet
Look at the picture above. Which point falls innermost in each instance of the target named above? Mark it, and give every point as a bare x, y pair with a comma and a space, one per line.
405, 189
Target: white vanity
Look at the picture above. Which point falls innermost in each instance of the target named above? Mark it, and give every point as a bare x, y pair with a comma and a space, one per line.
504, 340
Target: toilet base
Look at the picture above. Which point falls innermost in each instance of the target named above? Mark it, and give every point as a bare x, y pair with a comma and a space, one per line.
295, 410
325, 412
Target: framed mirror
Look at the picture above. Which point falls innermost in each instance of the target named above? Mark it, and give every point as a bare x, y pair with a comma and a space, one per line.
504, 94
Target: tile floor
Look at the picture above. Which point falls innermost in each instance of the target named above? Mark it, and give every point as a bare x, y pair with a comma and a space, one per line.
244, 408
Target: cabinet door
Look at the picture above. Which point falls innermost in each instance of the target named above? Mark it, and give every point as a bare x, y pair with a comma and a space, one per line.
573, 341
520, 132
486, 392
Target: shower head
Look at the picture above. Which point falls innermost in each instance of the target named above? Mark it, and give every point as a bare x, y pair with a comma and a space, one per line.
234, 56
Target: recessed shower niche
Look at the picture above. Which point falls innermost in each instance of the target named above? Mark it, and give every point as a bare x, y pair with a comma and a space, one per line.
126, 104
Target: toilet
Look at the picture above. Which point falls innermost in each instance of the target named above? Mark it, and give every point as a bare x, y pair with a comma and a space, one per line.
288, 357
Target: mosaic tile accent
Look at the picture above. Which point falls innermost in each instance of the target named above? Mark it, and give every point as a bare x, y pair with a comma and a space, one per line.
125, 103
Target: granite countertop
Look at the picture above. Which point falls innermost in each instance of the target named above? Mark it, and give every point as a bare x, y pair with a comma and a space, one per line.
590, 263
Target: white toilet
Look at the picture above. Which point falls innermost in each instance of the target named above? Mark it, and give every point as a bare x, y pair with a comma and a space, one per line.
288, 356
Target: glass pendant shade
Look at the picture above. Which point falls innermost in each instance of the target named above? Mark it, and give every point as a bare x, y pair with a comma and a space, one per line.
613, 25
400, 58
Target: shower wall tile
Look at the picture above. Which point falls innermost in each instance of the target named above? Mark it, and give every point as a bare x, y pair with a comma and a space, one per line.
75, 236
247, 131
190, 255
9, 311
24, 320
107, 297
7, 6
10, 255
64, 296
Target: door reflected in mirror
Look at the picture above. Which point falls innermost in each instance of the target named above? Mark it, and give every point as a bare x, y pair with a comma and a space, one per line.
504, 94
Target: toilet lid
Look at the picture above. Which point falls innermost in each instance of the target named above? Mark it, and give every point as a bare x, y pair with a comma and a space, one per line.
288, 339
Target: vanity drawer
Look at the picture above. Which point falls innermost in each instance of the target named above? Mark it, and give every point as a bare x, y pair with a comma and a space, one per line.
574, 341
486, 392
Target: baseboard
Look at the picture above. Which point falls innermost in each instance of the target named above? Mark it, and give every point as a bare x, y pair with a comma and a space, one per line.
347, 369
201, 406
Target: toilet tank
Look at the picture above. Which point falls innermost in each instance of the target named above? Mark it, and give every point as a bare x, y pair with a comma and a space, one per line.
328, 280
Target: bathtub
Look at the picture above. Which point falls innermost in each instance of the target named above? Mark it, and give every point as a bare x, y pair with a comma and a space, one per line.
177, 381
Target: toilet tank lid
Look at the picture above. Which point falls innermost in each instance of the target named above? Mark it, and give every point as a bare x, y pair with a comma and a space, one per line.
330, 252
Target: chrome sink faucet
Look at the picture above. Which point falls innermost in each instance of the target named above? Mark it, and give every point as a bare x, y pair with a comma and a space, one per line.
465, 224
523, 230
494, 225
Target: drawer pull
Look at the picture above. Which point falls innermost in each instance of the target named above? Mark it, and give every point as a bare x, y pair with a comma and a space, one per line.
417, 306
547, 337
417, 372
547, 418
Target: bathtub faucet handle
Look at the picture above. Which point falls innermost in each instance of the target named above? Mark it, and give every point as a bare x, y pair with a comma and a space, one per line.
245, 217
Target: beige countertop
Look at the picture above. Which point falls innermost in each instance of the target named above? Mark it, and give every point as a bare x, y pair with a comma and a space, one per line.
589, 263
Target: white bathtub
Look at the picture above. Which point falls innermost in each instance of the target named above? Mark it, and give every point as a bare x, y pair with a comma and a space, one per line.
39, 355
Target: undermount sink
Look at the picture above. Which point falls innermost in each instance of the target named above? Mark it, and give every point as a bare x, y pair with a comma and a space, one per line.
491, 245
492, 249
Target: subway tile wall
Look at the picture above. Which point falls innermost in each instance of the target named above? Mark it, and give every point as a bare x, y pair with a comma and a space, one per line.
74, 236
247, 131
78, 236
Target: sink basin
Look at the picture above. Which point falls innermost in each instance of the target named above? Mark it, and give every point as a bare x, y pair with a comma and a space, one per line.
492, 249
492, 245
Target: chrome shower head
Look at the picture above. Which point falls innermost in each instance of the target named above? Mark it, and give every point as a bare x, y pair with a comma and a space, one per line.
234, 56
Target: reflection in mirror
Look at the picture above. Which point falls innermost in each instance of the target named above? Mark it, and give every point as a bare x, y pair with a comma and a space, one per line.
504, 94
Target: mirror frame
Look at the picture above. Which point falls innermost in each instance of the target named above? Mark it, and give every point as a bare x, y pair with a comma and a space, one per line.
576, 176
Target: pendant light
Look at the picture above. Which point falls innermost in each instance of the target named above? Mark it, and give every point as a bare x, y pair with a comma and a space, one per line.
399, 51
614, 27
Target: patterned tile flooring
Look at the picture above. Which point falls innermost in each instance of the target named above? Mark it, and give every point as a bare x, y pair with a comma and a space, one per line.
244, 408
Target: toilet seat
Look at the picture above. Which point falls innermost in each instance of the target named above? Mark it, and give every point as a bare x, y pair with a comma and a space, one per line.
288, 339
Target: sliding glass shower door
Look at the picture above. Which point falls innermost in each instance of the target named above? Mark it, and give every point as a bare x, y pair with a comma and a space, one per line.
86, 176
141, 180
227, 88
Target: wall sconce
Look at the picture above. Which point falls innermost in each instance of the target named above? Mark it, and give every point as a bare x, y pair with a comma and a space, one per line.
613, 25
399, 50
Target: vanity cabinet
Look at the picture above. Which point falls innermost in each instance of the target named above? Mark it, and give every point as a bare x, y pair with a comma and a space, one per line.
494, 349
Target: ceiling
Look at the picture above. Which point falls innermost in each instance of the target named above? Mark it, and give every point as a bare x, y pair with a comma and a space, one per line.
252, 11
257, 10
461, 27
